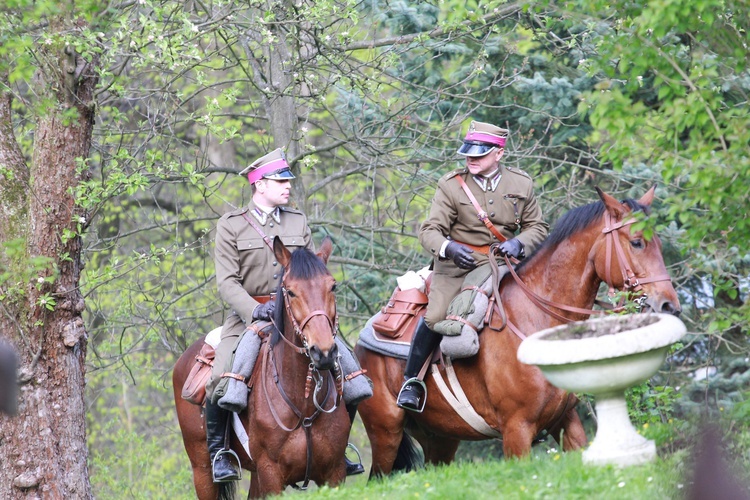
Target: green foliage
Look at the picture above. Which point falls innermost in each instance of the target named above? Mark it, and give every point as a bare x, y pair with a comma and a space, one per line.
621, 95
140, 467
559, 475
651, 404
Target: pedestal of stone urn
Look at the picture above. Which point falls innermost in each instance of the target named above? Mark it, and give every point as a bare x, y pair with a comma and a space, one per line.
604, 357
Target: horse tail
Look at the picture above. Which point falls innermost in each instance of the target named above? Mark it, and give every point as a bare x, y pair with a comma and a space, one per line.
227, 491
408, 457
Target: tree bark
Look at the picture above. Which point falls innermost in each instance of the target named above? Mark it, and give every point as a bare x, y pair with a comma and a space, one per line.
44, 453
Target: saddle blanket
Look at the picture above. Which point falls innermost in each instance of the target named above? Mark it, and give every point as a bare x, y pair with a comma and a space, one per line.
388, 347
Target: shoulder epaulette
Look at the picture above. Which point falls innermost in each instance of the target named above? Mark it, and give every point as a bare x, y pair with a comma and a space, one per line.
235, 212
453, 173
517, 171
291, 210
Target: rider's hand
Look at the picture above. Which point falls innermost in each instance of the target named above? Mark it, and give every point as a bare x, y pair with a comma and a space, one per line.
512, 248
264, 311
460, 255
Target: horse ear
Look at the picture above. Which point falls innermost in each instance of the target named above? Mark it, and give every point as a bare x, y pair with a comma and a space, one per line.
282, 253
648, 198
325, 249
614, 207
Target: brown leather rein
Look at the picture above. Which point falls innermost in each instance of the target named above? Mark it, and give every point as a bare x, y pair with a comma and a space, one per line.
630, 281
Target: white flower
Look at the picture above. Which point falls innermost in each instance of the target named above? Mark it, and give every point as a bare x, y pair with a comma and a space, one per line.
82, 220
40, 280
621, 484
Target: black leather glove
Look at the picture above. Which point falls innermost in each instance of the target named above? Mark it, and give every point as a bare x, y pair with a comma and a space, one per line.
512, 248
264, 311
460, 255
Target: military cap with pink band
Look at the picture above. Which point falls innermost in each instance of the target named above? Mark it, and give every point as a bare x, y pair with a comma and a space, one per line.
271, 166
481, 138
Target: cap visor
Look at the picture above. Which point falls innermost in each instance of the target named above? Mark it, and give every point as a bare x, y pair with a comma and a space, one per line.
280, 175
468, 149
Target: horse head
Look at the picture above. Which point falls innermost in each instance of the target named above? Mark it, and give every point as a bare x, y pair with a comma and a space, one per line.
309, 302
629, 261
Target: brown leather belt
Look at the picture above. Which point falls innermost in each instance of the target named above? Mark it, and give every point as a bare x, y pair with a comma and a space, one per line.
264, 298
484, 249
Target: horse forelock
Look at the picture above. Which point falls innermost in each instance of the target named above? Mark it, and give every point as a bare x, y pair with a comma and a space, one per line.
578, 219
304, 265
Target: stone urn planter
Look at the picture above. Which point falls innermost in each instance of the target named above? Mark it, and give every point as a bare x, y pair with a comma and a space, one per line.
604, 357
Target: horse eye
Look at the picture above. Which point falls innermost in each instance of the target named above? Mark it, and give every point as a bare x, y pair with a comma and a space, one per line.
637, 243
333, 288
290, 293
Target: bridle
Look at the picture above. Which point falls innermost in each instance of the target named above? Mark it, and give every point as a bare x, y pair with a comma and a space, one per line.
313, 376
631, 283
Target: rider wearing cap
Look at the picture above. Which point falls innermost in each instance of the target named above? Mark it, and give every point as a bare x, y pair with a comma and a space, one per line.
459, 240
247, 273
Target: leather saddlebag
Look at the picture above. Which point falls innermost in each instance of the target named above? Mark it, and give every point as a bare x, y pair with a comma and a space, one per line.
401, 313
194, 389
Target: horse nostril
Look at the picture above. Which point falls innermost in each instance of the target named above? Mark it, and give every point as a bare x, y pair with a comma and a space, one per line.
669, 308
315, 353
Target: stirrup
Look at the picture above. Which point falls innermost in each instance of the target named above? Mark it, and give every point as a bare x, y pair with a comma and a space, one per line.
359, 457
225, 451
414, 380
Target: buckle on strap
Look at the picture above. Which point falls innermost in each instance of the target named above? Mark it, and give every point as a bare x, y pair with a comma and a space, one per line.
235, 376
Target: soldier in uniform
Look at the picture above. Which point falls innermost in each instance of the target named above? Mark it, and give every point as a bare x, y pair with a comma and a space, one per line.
246, 274
459, 240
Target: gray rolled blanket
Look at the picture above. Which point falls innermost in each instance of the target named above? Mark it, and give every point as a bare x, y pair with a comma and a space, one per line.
359, 387
235, 398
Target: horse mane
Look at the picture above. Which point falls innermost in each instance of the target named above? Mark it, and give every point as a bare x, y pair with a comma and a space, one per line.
578, 219
304, 265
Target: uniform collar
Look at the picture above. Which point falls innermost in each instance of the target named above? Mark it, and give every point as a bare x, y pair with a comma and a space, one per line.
489, 183
262, 214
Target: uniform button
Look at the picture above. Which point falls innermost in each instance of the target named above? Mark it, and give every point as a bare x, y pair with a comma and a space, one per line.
271, 224
274, 263
492, 214
275, 276
491, 202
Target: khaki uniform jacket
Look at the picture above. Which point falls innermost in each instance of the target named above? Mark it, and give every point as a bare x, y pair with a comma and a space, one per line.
245, 265
452, 216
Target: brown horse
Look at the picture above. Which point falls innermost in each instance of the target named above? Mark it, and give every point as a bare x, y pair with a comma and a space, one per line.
298, 430
515, 399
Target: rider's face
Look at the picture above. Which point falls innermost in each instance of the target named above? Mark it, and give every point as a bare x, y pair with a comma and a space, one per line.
484, 165
273, 193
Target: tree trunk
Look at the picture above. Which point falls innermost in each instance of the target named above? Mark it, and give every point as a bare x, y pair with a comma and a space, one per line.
44, 452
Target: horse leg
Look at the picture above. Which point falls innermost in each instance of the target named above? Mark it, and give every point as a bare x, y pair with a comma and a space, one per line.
383, 420
269, 478
385, 437
573, 433
517, 438
439, 451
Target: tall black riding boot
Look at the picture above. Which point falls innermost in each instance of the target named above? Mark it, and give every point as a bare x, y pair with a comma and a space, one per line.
413, 393
216, 424
353, 468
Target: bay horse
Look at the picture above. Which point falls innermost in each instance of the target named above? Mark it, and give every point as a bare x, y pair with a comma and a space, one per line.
296, 432
514, 399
